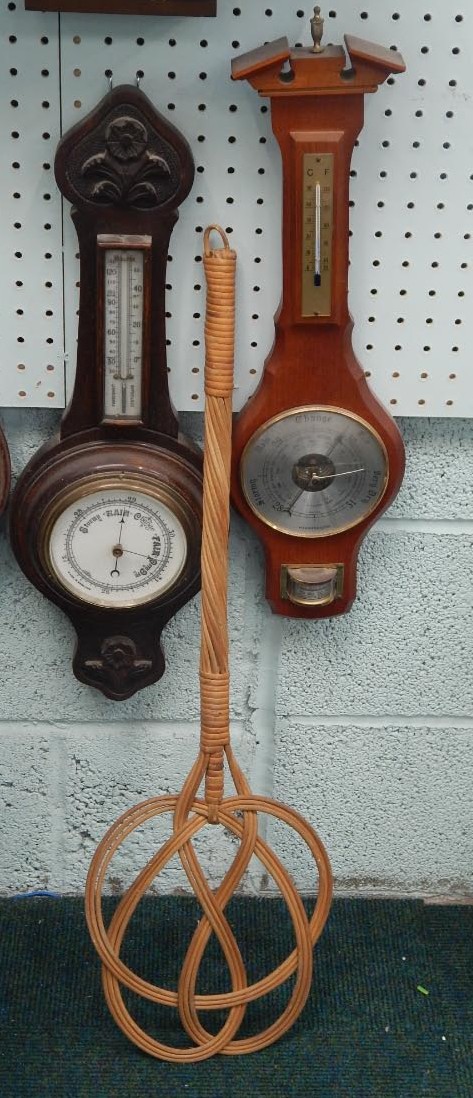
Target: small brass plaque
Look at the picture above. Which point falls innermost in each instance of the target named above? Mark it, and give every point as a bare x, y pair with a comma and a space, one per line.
317, 224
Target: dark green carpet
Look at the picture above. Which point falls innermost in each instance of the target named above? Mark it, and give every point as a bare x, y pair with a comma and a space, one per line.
366, 1030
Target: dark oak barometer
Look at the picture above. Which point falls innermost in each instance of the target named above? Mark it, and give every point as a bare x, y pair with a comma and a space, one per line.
106, 520
126, 7
316, 457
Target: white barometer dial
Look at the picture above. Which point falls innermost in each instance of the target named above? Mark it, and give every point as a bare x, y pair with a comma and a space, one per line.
314, 471
116, 547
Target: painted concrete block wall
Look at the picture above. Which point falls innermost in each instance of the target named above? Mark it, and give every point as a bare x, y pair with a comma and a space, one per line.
363, 723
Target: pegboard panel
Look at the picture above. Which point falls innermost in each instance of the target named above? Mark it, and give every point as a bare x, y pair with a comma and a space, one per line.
411, 186
31, 268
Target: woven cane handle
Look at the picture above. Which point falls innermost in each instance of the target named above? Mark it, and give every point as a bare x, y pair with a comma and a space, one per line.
220, 267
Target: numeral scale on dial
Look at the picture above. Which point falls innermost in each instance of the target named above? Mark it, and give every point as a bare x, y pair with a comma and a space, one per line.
116, 548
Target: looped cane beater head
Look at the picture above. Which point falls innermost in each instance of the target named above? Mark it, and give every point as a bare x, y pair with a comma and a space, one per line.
238, 814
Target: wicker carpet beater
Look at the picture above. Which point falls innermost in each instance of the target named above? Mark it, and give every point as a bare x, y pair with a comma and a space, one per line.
237, 814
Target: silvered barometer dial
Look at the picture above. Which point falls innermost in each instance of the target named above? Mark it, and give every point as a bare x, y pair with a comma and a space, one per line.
314, 471
116, 547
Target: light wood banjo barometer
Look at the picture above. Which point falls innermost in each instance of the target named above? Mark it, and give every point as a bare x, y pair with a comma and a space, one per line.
316, 458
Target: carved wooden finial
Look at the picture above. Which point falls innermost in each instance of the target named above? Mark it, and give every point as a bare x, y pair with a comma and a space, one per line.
317, 30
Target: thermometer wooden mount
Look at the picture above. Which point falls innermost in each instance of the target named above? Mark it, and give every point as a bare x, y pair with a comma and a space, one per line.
106, 520
316, 458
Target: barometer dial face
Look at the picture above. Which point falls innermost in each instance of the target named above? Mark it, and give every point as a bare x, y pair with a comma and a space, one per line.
116, 547
314, 471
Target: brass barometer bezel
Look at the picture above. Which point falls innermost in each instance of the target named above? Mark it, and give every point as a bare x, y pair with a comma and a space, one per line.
300, 410
123, 482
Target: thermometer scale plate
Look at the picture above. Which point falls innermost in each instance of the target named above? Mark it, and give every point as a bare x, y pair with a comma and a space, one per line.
124, 281
317, 222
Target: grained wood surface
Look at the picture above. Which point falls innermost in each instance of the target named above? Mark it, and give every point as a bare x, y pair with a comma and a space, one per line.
359, 68
126, 7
